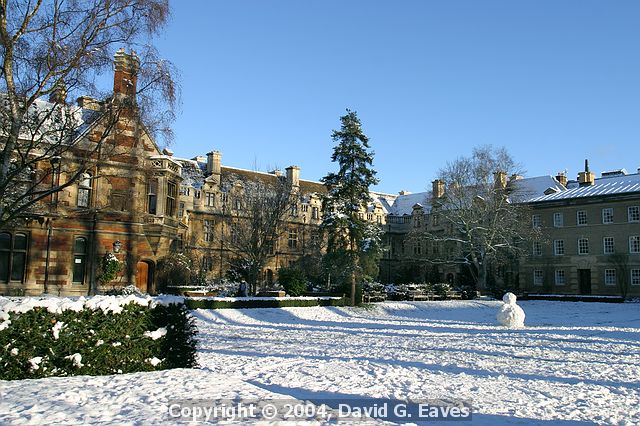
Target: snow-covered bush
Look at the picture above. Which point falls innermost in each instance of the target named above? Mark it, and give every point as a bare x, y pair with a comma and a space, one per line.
441, 289
94, 336
251, 302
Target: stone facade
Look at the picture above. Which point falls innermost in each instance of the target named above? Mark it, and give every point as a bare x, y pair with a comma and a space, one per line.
141, 204
58, 248
592, 238
211, 201
590, 244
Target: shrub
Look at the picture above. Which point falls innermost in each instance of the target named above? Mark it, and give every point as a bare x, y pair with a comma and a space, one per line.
174, 270
263, 303
293, 280
441, 289
94, 340
109, 268
345, 289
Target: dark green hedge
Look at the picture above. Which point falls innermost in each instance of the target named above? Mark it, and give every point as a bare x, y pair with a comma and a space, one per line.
108, 343
262, 303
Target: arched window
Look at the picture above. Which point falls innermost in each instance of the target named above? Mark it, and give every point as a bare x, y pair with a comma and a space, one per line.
80, 249
84, 190
13, 256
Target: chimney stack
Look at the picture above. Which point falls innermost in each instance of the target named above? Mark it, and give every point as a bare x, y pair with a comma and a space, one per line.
125, 78
437, 188
213, 162
562, 178
500, 180
59, 93
87, 102
293, 176
586, 178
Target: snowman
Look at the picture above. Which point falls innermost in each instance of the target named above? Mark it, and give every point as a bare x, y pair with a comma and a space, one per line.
510, 314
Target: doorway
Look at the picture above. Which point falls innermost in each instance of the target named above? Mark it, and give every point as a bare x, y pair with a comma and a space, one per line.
144, 276
584, 281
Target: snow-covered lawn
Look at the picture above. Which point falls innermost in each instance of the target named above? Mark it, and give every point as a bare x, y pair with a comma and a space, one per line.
573, 362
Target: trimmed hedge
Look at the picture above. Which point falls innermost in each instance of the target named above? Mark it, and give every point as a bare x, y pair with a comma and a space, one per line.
38, 343
262, 303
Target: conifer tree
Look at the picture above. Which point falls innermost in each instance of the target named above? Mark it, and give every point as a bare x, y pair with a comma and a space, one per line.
350, 237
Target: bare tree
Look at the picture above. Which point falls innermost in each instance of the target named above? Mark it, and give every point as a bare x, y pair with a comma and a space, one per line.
59, 48
620, 263
482, 217
259, 213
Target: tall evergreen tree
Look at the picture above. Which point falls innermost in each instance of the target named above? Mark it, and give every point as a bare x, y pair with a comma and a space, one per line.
350, 238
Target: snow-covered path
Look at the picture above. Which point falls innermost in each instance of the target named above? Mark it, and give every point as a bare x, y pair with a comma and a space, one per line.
572, 363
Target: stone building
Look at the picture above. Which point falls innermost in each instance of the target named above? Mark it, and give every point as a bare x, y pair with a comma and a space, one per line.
410, 258
213, 199
141, 204
108, 208
592, 243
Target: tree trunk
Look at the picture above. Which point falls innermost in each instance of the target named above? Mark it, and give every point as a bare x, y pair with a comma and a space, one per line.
353, 288
482, 276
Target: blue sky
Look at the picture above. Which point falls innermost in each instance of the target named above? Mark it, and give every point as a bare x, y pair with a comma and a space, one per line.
265, 82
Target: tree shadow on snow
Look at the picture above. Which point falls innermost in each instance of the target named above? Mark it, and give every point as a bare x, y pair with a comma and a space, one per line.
333, 399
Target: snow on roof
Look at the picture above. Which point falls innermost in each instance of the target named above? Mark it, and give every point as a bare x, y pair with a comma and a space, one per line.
385, 200
610, 185
192, 174
403, 204
57, 122
533, 187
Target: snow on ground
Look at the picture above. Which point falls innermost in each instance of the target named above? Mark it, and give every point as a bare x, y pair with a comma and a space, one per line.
572, 363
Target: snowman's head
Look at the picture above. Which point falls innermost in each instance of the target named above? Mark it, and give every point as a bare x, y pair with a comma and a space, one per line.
509, 298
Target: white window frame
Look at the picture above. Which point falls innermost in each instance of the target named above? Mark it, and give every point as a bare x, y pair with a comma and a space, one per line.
560, 277
581, 218
558, 248
612, 246
536, 221
634, 244
607, 215
610, 278
586, 245
633, 213
635, 277
538, 277
558, 220
537, 248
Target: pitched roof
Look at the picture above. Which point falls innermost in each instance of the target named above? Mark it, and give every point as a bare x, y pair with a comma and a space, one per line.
403, 204
193, 173
534, 187
613, 185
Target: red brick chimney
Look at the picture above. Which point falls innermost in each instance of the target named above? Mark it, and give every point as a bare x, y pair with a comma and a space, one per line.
125, 77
